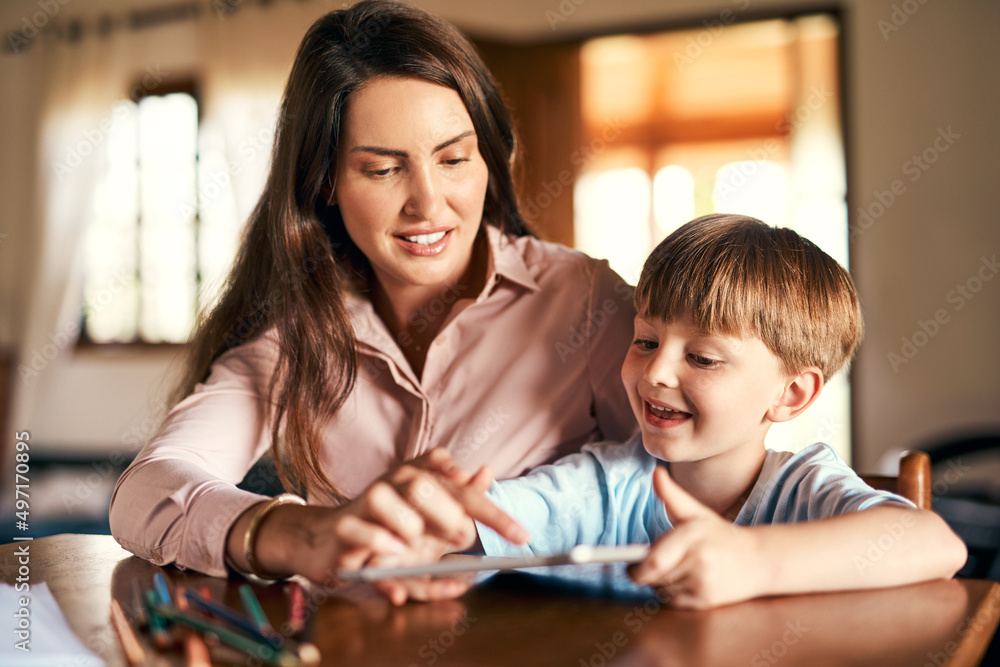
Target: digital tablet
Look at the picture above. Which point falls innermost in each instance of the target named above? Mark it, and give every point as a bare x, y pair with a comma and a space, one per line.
632, 553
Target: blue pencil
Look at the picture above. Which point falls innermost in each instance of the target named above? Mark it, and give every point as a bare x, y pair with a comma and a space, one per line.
233, 617
162, 591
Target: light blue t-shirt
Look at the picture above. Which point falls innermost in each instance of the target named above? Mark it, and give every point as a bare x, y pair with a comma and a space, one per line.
604, 496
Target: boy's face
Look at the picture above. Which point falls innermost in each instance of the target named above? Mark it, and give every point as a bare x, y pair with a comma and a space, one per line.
699, 396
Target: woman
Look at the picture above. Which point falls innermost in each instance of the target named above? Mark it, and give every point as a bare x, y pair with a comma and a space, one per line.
387, 298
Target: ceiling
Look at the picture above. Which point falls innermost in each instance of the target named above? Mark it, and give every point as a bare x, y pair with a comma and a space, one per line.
505, 20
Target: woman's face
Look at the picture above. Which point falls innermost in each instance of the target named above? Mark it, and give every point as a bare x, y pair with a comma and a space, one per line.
410, 181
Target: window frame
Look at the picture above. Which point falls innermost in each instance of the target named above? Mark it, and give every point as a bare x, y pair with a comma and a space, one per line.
189, 85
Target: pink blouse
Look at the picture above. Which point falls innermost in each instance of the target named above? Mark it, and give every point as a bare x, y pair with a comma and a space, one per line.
526, 372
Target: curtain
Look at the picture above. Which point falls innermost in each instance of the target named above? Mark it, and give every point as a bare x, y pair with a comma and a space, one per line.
240, 61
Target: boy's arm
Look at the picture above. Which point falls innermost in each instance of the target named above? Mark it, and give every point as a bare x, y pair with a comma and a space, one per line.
706, 561
887, 545
598, 496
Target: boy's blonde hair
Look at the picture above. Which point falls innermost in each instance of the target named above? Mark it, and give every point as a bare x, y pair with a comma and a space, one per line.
741, 277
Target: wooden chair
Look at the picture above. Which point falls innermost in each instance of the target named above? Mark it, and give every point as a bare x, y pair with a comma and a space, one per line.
913, 482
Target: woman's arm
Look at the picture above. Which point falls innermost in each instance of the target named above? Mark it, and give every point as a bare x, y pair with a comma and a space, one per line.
178, 501
429, 498
178, 498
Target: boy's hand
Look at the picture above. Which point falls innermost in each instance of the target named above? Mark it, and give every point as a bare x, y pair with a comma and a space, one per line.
705, 561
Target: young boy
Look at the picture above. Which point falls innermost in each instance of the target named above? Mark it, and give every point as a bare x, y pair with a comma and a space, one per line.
739, 326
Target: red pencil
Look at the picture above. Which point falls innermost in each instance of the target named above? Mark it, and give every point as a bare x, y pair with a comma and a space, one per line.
307, 652
296, 608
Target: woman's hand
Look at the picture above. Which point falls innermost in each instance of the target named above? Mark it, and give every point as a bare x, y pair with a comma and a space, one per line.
705, 561
424, 587
420, 510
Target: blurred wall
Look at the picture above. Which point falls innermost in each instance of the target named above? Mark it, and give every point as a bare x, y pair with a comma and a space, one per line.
923, 83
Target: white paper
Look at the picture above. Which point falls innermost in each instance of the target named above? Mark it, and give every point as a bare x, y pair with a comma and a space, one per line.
51, 642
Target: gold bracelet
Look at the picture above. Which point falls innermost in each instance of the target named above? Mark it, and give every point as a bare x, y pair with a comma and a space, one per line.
250, 537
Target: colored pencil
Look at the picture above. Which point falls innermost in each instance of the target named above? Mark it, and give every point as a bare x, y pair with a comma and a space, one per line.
235, 618
134, 653
195, 649
296, 608
308, 652
157, 624
252, 646
254, 610
161, 588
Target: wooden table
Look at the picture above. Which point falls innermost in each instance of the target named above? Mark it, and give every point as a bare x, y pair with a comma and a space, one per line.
527, 620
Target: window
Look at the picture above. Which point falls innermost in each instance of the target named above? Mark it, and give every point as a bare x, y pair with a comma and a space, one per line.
161, 238
741, 119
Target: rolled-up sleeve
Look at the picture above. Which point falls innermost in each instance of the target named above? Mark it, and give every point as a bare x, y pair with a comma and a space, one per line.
519, 375
177, 500
610, 335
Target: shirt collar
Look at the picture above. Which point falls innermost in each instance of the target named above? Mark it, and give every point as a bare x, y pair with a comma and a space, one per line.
506, 261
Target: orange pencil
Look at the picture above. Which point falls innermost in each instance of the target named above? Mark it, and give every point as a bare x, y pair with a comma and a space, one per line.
134, 653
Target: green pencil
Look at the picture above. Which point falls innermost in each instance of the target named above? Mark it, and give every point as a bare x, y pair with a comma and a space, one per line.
260, 650
162, 638
254, 610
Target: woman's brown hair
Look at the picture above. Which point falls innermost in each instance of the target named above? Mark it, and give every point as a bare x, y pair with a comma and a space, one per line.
738, 276
296, 261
